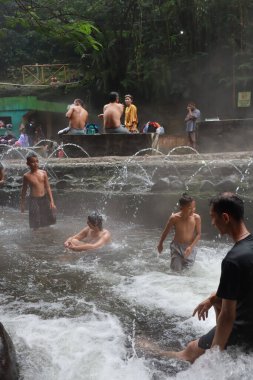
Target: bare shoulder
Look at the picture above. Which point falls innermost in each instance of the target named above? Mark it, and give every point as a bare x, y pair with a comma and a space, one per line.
197, 217
175, 216
107, 234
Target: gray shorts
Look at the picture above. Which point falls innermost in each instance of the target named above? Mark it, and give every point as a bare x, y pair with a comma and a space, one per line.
74, 131
178, 262
121, 129
235, 338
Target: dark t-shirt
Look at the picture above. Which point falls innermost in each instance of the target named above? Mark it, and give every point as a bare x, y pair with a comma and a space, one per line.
236, 283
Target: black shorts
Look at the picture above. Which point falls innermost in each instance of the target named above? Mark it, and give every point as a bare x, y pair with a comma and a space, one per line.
235, 338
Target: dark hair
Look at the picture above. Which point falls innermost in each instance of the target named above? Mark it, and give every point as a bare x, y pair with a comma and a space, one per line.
113, 96
229, 203
185, 199
129, 96
80, 101
96, 219
31, 155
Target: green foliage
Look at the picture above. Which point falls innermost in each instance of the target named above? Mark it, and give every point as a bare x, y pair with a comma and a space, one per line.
135, 45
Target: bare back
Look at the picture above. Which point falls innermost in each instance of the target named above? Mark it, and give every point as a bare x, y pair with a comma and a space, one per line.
186, 228
112, 115
78, 117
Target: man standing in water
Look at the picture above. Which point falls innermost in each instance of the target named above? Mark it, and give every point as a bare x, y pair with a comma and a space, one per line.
93, 236
187, 226
78, 117
112, 113
192, 117
233, 300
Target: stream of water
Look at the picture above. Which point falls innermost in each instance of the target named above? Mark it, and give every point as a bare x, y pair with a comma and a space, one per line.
77, 316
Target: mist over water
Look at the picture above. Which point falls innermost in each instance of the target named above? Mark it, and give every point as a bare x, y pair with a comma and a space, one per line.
77, 316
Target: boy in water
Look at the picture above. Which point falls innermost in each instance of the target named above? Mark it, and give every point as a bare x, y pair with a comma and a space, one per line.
187, 226
41, 211
1, 174
91, 237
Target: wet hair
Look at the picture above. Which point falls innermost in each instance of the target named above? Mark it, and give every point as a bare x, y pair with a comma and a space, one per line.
185, 200
31, 155
113, 96
96, 220
80, 101
229, 203
129, 96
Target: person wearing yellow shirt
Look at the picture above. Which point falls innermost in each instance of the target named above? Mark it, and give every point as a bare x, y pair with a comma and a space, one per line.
131, 118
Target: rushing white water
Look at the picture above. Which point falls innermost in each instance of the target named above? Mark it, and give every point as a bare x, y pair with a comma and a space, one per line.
77, 316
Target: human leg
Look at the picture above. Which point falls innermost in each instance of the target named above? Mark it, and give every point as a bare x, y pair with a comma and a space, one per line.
177, 256
190, 353
176, 263
192, 139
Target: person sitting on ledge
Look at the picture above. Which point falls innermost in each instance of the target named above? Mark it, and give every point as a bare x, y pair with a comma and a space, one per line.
78, 117
93, 236
112, 113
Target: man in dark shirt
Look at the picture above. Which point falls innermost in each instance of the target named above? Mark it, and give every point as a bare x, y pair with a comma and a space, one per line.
233, 301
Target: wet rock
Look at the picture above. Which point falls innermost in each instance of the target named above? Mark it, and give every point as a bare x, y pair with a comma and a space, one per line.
226, 185
69, 177
177, 185
206, 185
62, 184
161, 184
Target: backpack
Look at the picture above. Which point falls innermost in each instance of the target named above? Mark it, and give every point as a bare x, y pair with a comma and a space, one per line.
91, 129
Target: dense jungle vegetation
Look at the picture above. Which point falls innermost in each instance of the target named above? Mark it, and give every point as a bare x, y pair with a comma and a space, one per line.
160, 50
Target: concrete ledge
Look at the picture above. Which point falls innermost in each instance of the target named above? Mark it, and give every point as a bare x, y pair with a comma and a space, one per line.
233, 135
112, 144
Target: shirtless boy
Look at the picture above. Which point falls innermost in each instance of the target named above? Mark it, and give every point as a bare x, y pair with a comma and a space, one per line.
187, 226
91, 237
112, 113
78, 117
41, 211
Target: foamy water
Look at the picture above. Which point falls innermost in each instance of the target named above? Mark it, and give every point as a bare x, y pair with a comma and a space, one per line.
77, 316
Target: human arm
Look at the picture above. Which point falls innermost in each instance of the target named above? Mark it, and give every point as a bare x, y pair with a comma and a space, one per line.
1, 176
104, 239
165, 232
204, 306
23, 194
81, 235
49, 192
197, 236
69, 112
225, 323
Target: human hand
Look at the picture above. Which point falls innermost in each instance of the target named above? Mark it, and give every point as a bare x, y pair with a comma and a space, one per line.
187, 252
67, 243
202, 309
52, 205
160, 248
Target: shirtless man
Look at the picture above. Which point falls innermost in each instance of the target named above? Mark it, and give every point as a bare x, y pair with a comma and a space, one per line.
41, 203
78, 117
91, 237
187, 226
112, 113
